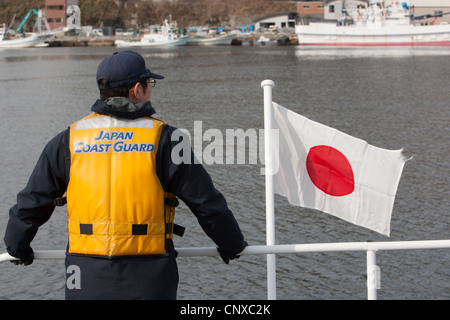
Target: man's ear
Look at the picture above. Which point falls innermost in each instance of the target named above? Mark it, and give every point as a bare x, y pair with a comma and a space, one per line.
133, 93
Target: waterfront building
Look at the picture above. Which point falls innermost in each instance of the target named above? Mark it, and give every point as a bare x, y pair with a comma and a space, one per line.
313, 10
55, 12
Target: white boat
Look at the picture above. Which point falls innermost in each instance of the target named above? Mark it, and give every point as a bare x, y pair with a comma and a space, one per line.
373, 25
167, 37
155, 40
26, 40
263, 40
224, 39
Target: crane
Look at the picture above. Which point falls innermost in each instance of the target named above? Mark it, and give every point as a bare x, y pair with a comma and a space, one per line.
40, 15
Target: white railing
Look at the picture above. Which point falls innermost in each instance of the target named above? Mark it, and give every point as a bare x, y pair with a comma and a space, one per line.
373, 272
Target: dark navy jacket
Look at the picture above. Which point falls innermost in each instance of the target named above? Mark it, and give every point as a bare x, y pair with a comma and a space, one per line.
153, 277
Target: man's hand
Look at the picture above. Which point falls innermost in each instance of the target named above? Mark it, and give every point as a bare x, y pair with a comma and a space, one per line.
26, 261
226, 257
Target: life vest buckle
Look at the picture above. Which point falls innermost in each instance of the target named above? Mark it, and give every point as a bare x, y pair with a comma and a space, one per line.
60, 202
172, 202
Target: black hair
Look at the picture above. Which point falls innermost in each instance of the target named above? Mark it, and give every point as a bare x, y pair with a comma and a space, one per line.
123, 91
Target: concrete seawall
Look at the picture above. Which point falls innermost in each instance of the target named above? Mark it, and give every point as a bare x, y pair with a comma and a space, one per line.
108, 41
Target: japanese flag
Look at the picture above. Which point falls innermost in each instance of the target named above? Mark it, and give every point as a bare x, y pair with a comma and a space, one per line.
322, 168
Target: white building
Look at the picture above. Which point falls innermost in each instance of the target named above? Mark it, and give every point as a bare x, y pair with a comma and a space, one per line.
277, 21
431, 7
428, 10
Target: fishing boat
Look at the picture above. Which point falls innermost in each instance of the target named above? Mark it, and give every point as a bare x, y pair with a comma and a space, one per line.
166, 37
208, 39
224, 39
22, 41
372, 24
18, 39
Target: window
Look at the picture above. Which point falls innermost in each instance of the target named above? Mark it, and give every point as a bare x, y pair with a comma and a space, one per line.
55, 20
55, 7
331, 9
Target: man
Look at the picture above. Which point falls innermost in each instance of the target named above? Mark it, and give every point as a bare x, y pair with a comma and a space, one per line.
121, 186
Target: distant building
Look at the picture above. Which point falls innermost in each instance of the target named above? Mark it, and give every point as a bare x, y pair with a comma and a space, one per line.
310, 11
431, 7
278, 21
310, 7
313, 10
55, 12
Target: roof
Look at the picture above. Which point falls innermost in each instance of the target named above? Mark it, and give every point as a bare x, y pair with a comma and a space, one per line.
293, 14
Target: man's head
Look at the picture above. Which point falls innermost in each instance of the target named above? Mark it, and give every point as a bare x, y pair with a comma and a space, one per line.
124, 74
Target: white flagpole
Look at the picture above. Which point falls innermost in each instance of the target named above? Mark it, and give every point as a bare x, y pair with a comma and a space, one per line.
267, 86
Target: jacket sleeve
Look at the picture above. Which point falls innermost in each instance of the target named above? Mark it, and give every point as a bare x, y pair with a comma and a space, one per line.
35, 202
191, 183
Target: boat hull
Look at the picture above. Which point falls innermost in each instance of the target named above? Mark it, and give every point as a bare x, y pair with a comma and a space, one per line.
155, 43
32, 40
407, 35
213, 41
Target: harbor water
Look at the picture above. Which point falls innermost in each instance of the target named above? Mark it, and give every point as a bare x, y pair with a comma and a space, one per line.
392, 98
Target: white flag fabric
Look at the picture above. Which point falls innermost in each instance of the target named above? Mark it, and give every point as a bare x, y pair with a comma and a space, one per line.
322, 168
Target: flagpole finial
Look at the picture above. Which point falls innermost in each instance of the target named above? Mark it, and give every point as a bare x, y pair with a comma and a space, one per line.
267, 83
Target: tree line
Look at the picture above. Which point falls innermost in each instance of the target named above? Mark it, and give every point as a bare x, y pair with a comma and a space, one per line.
140, 13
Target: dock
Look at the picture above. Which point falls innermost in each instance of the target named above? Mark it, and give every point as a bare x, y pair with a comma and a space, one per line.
81, 41
108, 41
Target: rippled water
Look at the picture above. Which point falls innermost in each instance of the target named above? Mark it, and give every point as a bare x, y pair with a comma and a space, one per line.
392, 98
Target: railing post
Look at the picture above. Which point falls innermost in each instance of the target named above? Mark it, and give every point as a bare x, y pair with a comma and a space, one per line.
267, 85
373, 275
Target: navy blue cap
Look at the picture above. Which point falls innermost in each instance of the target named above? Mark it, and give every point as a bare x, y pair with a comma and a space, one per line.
123, 68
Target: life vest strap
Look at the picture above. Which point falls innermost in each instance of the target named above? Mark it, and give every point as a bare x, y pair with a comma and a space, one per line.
136, 229
172, 202
178, 230
119, 229
86, 228
60, 202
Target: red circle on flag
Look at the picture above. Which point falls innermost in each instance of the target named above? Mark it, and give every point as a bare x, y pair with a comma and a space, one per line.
330, 171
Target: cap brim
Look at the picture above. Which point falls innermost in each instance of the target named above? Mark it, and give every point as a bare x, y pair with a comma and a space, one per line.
150, 74
156, 76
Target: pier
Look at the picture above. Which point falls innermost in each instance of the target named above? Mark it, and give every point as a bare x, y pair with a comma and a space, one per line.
81, 41
108, 41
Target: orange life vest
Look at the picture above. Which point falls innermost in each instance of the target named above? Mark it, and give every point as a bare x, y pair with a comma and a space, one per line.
115, 201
